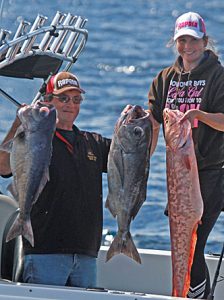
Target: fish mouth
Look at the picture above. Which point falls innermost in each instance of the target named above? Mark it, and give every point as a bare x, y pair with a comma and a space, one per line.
44, 109
135, 113
176, 133
38, 111
41, 105
169, 117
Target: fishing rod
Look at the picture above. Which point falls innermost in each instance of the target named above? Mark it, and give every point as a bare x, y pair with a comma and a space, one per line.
10, 98
215, 281
1, 11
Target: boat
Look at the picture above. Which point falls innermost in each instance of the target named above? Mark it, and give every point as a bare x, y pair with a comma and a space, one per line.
57, 47
120, 278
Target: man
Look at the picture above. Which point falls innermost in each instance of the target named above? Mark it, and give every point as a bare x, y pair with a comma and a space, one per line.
67, 217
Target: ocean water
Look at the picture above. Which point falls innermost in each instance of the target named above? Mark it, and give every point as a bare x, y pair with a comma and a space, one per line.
126, 48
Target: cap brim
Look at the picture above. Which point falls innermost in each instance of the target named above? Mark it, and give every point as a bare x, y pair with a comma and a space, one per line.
68, 88
188, 31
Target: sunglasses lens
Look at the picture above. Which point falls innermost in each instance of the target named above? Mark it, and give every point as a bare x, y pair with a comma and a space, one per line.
64, 98
77, 99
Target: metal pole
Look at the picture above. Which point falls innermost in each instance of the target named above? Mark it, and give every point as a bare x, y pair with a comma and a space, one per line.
211, 294
42, 89
1, 11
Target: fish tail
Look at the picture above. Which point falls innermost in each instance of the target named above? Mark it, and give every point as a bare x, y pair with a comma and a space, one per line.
125, 246
20, 227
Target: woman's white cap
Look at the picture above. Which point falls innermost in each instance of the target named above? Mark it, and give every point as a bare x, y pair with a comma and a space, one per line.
191, 24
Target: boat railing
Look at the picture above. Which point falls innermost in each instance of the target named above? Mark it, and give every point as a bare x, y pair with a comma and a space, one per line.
39, 51
63, 39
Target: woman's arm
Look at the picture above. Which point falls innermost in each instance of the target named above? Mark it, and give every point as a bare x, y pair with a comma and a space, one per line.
214, 120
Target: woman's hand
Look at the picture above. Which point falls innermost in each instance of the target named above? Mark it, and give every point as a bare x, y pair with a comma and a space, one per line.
214, 120
191, 115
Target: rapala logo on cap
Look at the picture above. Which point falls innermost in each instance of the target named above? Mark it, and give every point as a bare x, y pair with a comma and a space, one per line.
187, 24
67, 81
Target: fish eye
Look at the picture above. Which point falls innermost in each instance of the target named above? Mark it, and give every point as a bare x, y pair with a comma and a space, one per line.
21, 135
138, 131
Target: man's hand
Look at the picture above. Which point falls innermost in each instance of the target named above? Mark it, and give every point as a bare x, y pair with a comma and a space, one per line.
126, 109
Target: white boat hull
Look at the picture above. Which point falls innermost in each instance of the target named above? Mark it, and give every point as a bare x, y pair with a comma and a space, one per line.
153, 276
120, 278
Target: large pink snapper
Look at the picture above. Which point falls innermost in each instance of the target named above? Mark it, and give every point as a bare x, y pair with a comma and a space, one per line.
185, 204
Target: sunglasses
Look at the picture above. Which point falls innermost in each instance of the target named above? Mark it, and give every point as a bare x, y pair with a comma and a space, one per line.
65, 98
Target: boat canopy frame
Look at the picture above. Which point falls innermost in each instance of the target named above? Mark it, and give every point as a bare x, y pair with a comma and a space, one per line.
38, 51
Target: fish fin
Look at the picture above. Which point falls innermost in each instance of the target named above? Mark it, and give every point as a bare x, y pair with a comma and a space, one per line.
139, 201
166, 210
20, 227
141, 194
111, 207
136, 208
13, 191
42, 184
7, 146
187, 161
127, 247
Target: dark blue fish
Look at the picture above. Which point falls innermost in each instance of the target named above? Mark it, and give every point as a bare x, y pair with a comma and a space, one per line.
30, 156
128, 169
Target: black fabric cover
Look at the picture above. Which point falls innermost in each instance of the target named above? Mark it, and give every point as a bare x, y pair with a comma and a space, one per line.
37, 66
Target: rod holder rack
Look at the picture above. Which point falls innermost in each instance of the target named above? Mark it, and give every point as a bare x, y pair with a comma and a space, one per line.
63, 39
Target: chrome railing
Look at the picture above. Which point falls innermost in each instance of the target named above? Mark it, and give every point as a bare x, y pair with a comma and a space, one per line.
64, 38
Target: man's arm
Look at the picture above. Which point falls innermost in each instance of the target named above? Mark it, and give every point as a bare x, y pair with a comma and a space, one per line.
155, 134
5, 156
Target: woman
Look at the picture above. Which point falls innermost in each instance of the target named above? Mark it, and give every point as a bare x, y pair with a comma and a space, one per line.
194, 84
